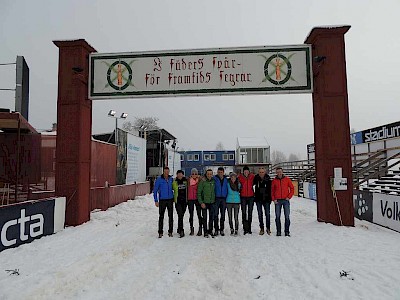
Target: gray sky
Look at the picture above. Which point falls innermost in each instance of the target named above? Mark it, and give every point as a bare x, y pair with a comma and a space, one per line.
372, 51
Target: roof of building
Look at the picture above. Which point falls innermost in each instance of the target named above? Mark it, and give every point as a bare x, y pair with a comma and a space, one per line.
156, 134
10, 122
151, 135
252, 142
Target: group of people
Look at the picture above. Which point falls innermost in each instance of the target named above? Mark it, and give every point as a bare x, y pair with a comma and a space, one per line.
212, 196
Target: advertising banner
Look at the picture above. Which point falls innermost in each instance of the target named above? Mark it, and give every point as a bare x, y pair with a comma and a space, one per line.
296, 187
122, 166
379, 133
24, 222
174, 162
306, 190
218, 71
311, 148
136, 159
386, 210
312, 191
363, 205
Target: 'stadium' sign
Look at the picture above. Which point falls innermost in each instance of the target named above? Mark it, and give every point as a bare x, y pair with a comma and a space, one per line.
22, 223
386, 210
256, 70
380, 133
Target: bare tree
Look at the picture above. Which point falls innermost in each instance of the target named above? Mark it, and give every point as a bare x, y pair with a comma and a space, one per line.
128, 126
277, 157
219, 146
150, 123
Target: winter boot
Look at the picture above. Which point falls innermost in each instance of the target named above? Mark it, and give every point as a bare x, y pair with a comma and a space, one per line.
236, 232
262, 231
200, 232
160, 235
191, 231
182, 234
232, 231
170, 234
268, 231
246, 227
222, 233
287, 234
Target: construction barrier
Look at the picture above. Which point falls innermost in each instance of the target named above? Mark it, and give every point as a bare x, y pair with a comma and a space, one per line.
106, 197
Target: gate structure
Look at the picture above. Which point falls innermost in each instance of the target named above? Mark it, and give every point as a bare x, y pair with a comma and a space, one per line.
84, 75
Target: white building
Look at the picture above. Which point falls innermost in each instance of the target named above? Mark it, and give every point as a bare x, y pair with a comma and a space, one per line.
252, 151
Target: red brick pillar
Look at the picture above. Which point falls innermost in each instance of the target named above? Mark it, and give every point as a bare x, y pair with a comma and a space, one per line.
74, 128
331, 123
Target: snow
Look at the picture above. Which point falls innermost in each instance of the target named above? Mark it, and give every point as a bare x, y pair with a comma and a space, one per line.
117, 255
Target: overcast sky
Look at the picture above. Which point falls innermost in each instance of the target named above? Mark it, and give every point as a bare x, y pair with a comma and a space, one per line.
372, 51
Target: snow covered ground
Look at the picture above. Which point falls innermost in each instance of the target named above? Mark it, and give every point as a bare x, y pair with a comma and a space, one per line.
117, 255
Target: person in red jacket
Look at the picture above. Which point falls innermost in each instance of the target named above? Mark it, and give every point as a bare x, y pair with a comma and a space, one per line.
282, 191
246, 198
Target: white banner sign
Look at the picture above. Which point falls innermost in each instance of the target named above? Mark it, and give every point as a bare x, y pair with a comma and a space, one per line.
258, 70
136, 159
386, 210
174, 161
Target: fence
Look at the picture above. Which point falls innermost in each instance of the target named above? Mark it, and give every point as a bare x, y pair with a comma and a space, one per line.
105, 197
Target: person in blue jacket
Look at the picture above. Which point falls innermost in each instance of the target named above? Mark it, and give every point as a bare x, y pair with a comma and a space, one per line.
233, 202
221, 192
164, 199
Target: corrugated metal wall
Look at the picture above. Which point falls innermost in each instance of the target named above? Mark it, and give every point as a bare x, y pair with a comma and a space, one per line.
103, 198
103, 165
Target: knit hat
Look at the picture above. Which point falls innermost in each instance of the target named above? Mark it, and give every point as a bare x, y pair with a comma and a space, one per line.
194, 170
232, 174
246, 168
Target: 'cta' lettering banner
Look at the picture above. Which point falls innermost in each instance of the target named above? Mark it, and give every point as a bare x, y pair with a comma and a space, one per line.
24, 222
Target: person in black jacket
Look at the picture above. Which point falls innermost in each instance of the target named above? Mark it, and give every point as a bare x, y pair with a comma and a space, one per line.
262, 191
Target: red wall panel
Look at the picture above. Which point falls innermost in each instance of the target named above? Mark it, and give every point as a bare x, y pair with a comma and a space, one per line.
103, 164
103, 198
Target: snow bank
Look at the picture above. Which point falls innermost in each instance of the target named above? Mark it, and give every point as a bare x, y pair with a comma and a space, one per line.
117, 255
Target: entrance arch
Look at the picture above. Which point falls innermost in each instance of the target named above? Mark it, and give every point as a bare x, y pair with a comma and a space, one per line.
331, 126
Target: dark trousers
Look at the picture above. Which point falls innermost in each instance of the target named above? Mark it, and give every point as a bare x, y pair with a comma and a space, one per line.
191, 205
219, 207
286, 210
169, 205
266, 205
247, 204
180, 207
233, 212
210, 209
